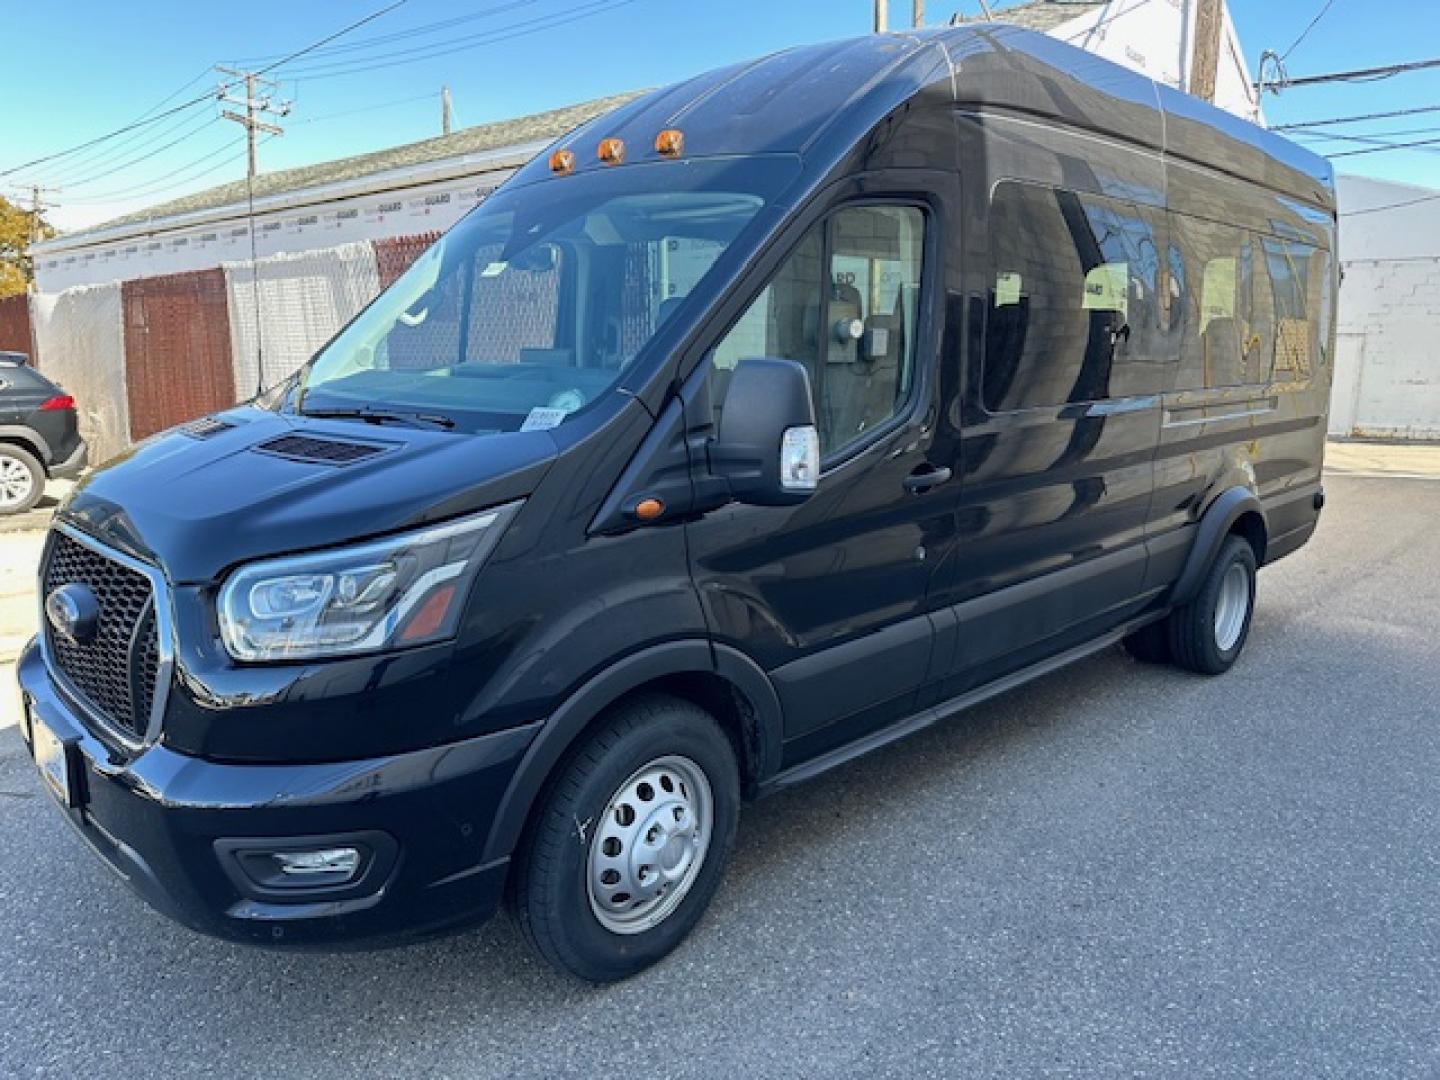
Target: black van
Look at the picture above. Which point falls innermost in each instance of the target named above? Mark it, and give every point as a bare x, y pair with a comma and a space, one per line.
774, 416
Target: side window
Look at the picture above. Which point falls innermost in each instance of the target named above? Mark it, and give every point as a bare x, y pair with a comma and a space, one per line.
844, 304
1074, 311
1289, 264
1219, 266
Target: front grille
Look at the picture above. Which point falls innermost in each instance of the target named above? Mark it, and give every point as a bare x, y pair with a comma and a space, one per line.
319, 451
117, 671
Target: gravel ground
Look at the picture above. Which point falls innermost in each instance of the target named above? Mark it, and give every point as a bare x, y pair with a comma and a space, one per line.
1118, 869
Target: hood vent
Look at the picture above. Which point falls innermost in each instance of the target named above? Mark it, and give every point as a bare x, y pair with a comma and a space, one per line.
318, 451
205, 427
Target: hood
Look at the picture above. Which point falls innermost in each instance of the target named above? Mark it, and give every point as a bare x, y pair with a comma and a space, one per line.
200, 498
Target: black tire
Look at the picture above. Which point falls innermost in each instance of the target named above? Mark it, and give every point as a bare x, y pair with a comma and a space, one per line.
1150, 644
551, 893
1194, 642
11, 457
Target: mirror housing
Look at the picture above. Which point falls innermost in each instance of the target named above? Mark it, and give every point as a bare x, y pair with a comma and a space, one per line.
768, 448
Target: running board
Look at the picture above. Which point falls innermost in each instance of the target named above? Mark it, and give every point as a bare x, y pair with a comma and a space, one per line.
806, 770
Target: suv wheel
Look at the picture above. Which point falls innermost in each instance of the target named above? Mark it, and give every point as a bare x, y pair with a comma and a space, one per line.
22, 479
630, 841
1207, 634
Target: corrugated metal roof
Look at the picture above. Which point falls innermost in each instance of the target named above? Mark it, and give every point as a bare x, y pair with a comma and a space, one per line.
473, 140
1042, 15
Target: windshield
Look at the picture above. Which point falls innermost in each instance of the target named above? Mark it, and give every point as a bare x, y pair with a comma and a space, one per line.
532, 307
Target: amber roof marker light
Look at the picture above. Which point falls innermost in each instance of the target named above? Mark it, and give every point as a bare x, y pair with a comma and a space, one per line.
670, 143
562, 162
611, 151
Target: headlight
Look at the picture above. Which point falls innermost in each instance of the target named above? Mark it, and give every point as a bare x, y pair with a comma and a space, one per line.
405, 589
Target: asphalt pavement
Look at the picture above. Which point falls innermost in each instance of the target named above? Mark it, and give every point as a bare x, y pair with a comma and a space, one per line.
1116, 870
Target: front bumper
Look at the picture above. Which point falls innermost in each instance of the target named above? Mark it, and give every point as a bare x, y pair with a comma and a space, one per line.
73, 465
166, 822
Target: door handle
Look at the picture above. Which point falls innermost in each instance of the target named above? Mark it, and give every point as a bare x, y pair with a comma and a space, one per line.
926, 477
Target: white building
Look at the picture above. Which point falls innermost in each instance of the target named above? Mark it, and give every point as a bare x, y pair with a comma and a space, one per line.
1387, 366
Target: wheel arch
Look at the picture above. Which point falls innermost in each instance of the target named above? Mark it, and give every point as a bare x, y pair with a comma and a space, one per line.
721, 680
1236, 511
28, 440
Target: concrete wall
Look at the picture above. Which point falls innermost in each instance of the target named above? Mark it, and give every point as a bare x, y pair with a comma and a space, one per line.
1387, 364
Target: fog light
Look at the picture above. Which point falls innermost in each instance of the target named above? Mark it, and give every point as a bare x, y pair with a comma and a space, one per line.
334, 865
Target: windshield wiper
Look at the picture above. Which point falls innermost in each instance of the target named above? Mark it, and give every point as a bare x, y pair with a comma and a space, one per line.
384, 416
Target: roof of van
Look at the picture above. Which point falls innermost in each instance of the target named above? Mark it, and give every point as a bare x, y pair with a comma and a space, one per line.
790, 101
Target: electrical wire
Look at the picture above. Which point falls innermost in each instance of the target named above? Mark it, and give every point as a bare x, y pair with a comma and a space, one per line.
153, 187
1391, 206
336, 69
1380, 149
1306, 32
1299, 124
204, 97
364, 109
401, 35
143, 156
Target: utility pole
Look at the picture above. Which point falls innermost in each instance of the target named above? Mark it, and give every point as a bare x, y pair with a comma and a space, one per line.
882, 15
256, 104
446, 111
1205, 60
37, 205
917, 19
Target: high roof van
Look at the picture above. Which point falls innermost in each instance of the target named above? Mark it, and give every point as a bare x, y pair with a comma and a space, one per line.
774, 416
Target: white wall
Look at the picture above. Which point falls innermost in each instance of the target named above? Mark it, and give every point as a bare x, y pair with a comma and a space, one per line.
307, 221
1157, 39
1387, 371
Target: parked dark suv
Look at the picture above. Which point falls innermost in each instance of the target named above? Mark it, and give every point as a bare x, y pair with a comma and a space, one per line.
39, 434
770, 418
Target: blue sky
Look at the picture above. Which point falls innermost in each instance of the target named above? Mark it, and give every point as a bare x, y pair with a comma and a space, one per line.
98, 64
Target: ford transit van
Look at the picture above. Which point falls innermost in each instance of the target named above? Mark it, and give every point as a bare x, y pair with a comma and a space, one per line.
774, 416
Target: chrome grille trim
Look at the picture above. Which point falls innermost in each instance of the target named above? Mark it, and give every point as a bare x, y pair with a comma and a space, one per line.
164, 641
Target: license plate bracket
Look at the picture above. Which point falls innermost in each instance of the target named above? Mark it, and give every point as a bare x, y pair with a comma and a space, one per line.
55, 758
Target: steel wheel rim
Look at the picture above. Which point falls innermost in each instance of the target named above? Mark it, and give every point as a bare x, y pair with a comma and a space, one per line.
1231, 607
16, 483
646, 852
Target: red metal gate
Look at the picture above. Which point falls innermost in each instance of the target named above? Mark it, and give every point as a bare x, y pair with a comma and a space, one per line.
177, 349
394, 255
15, 334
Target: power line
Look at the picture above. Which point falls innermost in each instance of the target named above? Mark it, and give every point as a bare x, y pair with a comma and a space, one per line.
143, 156
1375, 137
1391, 206
155, 187
401, 35
364, 109
202, 98
1306, 32
1356, 119
1419, 144
1283, 81
338, 68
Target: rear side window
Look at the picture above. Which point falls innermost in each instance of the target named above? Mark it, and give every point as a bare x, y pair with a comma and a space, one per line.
845, 304
25, 378
1073, 312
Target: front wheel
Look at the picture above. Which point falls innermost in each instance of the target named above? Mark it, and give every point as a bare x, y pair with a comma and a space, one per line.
1207, 634
630, 841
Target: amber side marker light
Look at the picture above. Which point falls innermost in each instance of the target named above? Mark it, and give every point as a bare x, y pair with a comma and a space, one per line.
670, 143
649, 509
611, 151
562, 162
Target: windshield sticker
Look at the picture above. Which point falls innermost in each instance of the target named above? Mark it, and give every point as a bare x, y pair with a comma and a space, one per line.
541, 418
494, 269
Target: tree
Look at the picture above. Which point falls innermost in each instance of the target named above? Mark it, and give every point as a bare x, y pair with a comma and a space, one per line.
16, 271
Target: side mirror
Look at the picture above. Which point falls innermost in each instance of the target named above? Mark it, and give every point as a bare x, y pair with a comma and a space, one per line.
768, 448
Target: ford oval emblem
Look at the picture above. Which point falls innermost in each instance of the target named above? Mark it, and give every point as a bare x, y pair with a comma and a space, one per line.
73, 612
